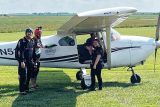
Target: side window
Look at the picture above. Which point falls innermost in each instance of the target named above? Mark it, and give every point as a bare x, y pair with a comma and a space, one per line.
66, 41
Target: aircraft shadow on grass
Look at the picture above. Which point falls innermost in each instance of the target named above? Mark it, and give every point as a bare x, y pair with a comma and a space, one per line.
56, 89
118, 84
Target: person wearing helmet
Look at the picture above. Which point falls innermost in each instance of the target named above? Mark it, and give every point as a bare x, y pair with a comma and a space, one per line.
36, 56
38, 32
25, 59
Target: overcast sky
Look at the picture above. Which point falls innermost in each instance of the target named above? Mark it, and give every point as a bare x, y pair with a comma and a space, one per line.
30, 6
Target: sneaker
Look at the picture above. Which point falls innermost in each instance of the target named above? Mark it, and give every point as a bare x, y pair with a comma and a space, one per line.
92, 89
32, 89
37, 86
29, 91
23, 93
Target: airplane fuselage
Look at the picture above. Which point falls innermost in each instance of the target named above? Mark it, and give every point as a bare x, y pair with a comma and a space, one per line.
127, 51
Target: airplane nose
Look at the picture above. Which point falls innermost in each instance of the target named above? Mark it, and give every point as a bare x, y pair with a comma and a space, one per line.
158, 44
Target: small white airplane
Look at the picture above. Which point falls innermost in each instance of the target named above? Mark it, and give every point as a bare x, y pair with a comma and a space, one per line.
121, 51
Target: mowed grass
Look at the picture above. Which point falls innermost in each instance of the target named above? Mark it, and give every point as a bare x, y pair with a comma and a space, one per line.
59, 87
10, 24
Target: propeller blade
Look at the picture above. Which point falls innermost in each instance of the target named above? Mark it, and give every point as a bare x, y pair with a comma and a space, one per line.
156, 39
157, 29
155, 58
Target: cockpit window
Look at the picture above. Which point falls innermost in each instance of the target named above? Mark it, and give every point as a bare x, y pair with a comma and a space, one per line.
114, 35
66, 41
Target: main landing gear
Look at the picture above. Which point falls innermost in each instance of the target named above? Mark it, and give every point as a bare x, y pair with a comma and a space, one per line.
134, 78
85, 79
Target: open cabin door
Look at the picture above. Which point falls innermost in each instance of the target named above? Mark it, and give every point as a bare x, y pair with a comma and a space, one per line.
84, 56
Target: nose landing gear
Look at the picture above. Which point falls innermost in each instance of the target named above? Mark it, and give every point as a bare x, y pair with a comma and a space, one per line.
135, 78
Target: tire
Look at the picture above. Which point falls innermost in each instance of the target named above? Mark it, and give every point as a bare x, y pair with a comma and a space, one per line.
79, 75
135, 79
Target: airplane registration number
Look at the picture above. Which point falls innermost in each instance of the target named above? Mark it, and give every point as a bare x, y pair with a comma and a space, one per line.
8, 51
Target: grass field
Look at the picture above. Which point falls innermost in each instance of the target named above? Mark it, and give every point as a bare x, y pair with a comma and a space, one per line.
19, 23
10, 24
59, 87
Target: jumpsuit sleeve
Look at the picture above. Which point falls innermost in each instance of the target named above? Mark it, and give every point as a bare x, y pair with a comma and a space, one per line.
41, 44
99, 51
22, 50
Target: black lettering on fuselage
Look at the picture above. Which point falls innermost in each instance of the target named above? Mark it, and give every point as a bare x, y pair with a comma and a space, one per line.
8, 51
3, 51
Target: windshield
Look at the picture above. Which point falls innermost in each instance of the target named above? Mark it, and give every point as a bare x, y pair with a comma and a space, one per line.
115, 35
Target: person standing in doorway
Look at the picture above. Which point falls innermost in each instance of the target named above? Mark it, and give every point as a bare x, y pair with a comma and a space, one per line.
97, 64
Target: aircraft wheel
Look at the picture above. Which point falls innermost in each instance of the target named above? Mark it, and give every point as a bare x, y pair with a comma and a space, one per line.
83, 85
79, 75
135, 79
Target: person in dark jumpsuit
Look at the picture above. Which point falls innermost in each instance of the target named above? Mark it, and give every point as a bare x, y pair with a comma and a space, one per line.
25, 67
97, 64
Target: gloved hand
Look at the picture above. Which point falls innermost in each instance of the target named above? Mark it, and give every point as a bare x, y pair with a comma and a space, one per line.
35, 65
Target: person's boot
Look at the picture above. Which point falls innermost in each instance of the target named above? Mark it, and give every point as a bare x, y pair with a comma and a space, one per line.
92, 89
100, 88
33, 85
23, 93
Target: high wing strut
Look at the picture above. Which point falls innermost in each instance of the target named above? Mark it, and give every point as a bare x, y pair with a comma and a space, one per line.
108, 50
106, 35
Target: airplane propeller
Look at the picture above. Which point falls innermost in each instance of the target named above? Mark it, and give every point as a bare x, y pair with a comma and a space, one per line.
156, 40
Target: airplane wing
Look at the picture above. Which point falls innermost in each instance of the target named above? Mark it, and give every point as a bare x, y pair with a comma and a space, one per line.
96, 20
